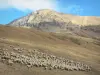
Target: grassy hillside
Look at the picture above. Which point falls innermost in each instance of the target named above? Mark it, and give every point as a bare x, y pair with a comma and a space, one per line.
66, 45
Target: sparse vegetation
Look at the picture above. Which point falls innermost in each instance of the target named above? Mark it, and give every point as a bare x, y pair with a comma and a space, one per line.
61, 37
75, 40
97, 43
31, 39
64, 37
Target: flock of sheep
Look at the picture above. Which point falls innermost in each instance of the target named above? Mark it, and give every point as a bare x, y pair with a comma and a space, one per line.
40, 59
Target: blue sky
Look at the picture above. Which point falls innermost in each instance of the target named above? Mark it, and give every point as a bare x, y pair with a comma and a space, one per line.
13, 9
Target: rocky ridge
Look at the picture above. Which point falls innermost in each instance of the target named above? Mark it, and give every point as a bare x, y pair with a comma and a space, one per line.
49, 20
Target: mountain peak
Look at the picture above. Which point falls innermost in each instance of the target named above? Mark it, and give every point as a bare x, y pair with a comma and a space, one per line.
47, 19
44, 12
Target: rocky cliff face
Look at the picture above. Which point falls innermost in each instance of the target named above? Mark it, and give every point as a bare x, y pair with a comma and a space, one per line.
49, 20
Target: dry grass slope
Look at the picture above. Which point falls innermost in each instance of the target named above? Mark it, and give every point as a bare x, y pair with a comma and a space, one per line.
54, 43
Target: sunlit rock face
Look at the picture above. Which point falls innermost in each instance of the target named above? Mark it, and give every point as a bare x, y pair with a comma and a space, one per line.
52, 21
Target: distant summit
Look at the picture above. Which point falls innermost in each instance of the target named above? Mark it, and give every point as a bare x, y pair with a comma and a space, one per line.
51, 20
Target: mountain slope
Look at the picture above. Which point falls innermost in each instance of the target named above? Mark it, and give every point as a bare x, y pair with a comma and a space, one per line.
47, 15
74, 47
52, 21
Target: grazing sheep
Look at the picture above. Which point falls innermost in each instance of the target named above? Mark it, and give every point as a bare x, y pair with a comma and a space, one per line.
10, 62
40, 59
45, 68
11, 46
